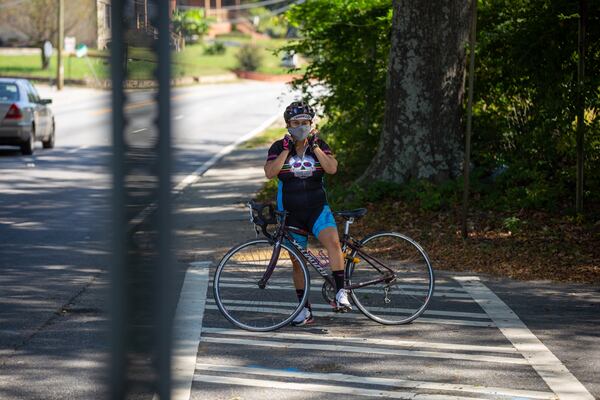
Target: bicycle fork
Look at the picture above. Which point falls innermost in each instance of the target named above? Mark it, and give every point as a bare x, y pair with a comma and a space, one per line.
262, 283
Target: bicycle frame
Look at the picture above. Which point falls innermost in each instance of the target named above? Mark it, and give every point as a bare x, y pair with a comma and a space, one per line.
347, 242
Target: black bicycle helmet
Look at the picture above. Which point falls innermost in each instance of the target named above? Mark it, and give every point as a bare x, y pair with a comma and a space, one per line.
298, 110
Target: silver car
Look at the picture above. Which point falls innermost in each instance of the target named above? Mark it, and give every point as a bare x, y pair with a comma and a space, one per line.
24, 117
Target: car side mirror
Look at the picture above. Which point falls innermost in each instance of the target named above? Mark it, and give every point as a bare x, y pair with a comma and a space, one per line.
45, 101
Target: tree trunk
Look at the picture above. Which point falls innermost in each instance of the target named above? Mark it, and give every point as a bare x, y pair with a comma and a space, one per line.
422, 130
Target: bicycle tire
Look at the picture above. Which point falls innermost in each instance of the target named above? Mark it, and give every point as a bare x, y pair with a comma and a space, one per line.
240, 299
410, 293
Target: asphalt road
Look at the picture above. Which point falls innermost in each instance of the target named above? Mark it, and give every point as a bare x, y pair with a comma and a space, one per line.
54, 217
482, 338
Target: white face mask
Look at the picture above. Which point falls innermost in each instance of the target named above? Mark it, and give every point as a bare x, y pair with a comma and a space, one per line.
300, 132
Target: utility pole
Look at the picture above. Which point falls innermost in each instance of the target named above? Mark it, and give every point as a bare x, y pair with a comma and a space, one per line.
467, 162
580, 136
60, 70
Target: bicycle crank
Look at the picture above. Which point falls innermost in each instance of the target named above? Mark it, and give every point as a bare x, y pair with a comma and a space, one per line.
328, 293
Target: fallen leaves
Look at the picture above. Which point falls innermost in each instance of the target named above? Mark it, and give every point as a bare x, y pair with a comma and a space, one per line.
545, 246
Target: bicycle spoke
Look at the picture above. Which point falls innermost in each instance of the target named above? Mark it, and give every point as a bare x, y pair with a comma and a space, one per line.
413, 285
239, 296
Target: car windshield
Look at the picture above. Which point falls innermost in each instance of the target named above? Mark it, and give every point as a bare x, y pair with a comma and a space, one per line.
9, 92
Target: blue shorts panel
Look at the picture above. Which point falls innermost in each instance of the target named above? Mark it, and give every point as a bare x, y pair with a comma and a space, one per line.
300, 239
325, 220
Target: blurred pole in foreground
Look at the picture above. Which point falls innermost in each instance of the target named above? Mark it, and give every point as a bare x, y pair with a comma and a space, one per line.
141, 274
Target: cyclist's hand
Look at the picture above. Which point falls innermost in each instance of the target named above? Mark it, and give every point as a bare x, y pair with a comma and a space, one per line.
287, 142
313, 139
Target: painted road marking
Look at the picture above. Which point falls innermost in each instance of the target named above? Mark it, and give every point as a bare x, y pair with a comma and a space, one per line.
420, 320
393, 310
319, 284
397, 383
369, 341
290, 287
312, 387
188, 328
194, 176
139, 130
340, 349
130, 106
547, 365
76, 149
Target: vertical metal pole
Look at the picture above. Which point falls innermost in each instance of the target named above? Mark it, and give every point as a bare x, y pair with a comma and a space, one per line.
118, 305
164, 268
467, 161
580, 106
60, 69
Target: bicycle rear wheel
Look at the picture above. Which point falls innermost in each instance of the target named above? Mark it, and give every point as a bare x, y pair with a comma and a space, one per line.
241, 300
406, 296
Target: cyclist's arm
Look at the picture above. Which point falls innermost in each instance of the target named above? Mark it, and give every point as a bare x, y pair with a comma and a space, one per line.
328, 161
272, 167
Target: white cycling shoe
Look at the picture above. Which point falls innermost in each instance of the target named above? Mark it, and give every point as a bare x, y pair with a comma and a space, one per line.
305, 317
342, 304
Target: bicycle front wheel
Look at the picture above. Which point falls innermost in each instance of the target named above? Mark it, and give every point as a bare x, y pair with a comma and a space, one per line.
404, 297
243, 302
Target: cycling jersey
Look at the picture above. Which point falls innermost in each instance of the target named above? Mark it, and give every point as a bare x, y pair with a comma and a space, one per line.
300, 178
301, 192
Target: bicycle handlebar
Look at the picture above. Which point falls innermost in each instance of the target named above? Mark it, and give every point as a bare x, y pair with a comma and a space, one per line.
257, 216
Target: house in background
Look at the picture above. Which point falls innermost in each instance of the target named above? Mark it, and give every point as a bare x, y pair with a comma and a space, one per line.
90, 21
87, 20
103, 23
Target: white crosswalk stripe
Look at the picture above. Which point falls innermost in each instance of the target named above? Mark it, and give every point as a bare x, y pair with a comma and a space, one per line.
390, 309
340, 349
318, 283
312, 387
244, 285
236, 371
369, 341
396, 383
329, 314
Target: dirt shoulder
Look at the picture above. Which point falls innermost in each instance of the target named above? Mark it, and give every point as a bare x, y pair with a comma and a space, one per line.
538, 247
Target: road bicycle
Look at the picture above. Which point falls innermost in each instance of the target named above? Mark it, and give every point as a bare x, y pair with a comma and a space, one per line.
388, 275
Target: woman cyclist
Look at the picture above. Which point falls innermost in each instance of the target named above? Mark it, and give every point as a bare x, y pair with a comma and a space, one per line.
299, 161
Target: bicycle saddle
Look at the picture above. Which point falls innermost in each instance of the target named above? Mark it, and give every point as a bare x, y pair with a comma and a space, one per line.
359, 212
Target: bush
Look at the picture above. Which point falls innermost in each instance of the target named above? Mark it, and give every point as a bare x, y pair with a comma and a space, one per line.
275, 26
191, 24
348, 45
249, 57
423, 194
214, 49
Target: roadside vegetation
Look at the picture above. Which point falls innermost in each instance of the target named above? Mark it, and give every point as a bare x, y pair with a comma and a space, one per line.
522, 220
268, 136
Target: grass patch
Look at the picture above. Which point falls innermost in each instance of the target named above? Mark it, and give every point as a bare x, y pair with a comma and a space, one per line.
192, 61
268, 193
75, 68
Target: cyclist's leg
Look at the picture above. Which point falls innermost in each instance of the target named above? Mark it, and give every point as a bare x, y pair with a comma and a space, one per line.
298, 276
324, 228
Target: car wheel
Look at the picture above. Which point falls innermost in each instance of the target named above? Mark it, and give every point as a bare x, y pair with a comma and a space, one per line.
28, 146
49, 143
